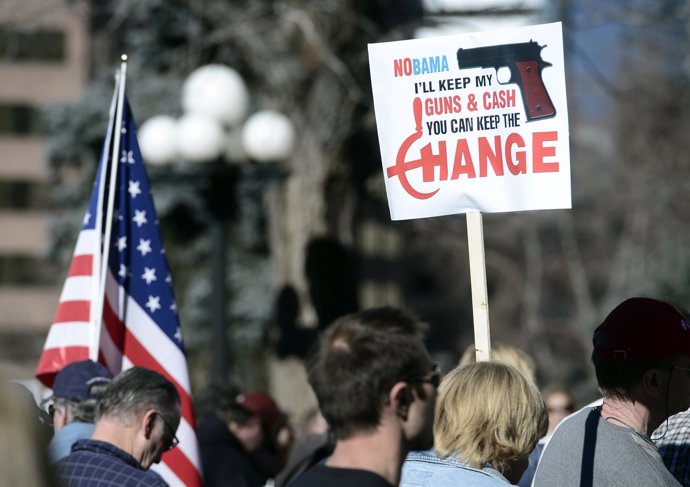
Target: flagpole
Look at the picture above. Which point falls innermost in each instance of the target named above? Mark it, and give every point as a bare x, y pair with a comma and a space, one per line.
97, 316
97, 258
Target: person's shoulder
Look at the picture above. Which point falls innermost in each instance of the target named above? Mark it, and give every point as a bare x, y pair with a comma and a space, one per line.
425, 468
81, 467
578, 416
423, 456
675, 431
417, 474
321, 474
87, 469
92, 457
82, 450
154, 479
311, 476
572, 423
88, 448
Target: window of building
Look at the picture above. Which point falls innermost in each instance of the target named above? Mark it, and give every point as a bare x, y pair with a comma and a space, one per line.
41, 46
23, 195
20, 120
26, 271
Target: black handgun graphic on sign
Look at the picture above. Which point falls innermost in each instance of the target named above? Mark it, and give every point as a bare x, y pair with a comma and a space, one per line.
525, 64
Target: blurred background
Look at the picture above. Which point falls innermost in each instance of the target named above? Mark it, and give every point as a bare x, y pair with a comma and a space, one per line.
296, 239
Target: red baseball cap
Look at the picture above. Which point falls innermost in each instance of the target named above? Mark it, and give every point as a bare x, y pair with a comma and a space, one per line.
262, 405
641, 329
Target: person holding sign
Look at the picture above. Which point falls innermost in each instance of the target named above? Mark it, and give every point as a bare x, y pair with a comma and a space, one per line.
641, 359
489, 416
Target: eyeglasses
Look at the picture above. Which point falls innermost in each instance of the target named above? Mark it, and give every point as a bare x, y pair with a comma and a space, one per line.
175, 440
433, 377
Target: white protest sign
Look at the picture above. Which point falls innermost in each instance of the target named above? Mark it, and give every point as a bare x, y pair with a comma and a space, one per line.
473, 122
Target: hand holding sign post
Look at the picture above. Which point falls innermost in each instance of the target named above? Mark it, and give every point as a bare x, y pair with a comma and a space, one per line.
473, 123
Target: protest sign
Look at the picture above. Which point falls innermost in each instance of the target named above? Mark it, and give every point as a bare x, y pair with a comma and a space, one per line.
473, 122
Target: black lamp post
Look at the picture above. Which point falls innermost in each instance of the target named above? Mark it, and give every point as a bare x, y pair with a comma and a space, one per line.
215, 100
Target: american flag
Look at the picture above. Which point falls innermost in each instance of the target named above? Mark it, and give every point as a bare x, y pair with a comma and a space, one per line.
140, 322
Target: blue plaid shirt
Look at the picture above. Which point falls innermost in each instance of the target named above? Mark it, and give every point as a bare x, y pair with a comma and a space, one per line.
99, 464
674, 446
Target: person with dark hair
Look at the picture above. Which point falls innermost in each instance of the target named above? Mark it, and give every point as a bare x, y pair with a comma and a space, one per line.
641, 360
376, 388
136, 422
235, 428
76, 391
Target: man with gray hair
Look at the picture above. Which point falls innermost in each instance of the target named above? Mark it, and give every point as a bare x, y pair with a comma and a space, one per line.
136, 423
76, 391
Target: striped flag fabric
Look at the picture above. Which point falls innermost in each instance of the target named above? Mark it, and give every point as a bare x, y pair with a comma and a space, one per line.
140, 325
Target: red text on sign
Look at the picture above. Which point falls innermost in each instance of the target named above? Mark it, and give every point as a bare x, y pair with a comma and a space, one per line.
499, 153
442, 105
499, 99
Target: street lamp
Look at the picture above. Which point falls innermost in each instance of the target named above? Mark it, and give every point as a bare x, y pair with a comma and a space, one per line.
213, 135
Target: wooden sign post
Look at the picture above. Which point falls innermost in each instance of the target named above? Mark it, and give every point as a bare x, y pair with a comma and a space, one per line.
480, 297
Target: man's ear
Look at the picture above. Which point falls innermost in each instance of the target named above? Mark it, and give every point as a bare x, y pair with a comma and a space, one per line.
652, 380
148, 422
401, 398
61, 416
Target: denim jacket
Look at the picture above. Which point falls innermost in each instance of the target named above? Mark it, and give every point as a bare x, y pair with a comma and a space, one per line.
425, 469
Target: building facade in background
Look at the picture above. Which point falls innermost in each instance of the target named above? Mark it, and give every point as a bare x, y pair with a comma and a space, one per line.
44, 59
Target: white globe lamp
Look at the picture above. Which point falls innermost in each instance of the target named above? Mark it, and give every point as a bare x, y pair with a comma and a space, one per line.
216, 91
199, 138
268, 136
157, 140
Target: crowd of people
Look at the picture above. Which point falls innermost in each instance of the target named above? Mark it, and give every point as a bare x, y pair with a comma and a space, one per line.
387, 416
